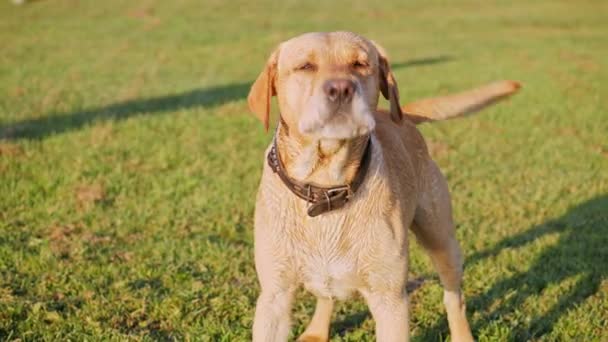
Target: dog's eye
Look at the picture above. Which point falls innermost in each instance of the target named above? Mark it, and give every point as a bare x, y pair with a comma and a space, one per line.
360, 65
306, 67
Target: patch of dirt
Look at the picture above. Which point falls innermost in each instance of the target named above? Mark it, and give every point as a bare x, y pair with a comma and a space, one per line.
17, 92
87, 195
141, 13
6, 295
88, 294
146, 15
602, 150
583, 62
133, 238
569, 131
67, 240
61, 239
102, 133
139, 322
10, 150
122, 256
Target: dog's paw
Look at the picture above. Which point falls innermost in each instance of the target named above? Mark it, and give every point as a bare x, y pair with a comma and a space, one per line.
311, 338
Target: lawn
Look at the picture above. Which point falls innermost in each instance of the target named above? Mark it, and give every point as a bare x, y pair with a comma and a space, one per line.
129, 164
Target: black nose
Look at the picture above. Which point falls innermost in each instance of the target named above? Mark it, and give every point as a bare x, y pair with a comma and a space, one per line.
339, 90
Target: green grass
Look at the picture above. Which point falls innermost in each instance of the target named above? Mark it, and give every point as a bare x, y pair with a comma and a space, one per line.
129, 164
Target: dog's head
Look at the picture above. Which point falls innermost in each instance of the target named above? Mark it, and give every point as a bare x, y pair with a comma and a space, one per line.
327, 85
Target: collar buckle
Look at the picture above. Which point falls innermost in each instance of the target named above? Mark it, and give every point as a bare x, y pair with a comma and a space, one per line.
346, 188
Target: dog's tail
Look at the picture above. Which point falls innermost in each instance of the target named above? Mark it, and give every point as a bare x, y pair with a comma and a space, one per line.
460, 104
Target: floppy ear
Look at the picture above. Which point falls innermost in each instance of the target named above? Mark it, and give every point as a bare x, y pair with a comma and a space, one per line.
388, 85
263, 89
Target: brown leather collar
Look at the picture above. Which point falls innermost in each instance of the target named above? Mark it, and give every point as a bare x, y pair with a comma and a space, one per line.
320, 199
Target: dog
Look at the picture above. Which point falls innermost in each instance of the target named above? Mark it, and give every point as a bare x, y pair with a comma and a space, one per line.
342, 183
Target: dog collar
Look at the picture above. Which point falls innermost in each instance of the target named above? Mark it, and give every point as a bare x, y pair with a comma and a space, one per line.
320, 199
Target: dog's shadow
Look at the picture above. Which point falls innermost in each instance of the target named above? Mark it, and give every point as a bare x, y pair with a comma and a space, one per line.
418, 62
56, 123
580, 253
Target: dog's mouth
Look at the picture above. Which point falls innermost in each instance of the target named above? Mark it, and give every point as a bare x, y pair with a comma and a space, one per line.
327, 119
340, 124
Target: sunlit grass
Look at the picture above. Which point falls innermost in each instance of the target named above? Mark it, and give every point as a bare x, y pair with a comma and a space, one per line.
129, 164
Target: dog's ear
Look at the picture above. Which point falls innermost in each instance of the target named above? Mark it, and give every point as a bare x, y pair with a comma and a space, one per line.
263, 89
388, 84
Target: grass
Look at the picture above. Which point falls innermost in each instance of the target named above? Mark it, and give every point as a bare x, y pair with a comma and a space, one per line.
129, 164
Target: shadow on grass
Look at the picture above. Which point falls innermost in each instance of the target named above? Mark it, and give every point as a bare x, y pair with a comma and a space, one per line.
580, 253
349, 323
56, 123
59, 123
422, 62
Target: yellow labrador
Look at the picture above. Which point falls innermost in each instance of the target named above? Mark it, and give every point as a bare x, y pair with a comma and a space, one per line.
342, 183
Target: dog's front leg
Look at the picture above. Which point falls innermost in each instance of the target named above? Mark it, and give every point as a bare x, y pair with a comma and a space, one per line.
390, 311
273, 309
272, 315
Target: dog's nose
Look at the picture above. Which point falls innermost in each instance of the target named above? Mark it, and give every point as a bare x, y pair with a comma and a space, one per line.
339, 90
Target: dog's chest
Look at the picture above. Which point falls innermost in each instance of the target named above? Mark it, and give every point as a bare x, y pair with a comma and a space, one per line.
337, 255
327, 263
331, 277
